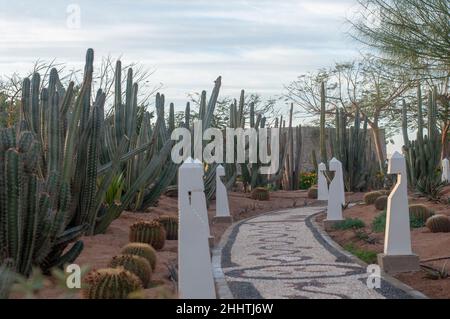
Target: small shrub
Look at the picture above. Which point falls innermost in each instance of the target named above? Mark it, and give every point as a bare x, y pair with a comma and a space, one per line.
370, 197
349, 223
312, 192
307, 179
379, 223
368, 256
381, 202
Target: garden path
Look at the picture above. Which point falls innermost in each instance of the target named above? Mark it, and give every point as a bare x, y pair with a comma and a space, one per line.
282, 255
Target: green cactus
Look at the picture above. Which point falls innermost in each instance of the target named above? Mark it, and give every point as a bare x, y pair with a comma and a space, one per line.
143, 250
423, 154
111, 283
371, 197
381, 202
260, 193
438, 223
420, 212
134, 264
152, 233
170, 224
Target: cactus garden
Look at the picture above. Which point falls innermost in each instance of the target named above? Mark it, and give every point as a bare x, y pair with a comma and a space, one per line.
113, 188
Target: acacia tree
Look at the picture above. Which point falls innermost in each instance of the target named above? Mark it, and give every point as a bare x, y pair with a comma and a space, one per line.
366, 84
413, 34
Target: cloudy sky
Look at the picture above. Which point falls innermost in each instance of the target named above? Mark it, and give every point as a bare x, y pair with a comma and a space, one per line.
258, 45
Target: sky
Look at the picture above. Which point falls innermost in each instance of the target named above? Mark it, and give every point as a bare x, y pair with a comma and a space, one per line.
256, 45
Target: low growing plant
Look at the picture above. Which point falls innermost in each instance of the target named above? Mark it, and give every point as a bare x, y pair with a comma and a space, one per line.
368, 256
350, 223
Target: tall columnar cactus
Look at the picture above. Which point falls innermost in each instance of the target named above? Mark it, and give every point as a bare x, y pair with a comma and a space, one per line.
423, 154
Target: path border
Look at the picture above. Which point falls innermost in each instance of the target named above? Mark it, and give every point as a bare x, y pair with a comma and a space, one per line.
413, 293
223, 291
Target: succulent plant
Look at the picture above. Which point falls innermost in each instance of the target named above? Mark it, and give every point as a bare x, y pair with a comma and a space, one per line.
111, 283
171, 191
371, 197
170, 224
143, 250
438, 223
313, 192
152, 233
420, 212
260, 193
381, 202
135, 264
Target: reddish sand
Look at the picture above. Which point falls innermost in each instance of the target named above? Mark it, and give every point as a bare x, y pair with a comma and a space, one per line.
425, 244
101, 248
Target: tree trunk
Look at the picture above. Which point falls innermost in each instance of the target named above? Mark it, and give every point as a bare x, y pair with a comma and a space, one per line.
378, 146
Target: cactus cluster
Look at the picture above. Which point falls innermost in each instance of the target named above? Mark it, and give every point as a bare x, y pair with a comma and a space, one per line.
170, 224
438, 223
152, 233
134, 264
423, 154
111, 283
143, 250
260, 193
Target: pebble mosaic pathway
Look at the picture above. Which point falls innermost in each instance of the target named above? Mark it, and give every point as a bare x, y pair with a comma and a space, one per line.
280, 255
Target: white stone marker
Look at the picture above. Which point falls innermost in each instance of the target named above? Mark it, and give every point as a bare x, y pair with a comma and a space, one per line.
322, 185
336, 195
222, 207
195, 274
445, 171
398, 256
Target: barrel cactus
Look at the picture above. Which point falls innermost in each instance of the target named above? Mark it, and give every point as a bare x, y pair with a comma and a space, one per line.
260, 193
170, 224
371, 197
111, 283
438, 224
143, 250
171, 191
312, 192
420, 212
152, 233
381, 202
135, 264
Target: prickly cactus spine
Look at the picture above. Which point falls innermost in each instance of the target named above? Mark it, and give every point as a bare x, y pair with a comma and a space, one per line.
438, 224
143, 250
170, 224
111, 283
152, 233
135, 264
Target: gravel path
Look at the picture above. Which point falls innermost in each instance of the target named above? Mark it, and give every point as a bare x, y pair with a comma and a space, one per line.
280, 255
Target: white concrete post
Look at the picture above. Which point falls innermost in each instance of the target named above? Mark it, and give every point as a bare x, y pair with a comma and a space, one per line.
336, 195
195, 274
445, 171
222, 207
398, 256
322, 192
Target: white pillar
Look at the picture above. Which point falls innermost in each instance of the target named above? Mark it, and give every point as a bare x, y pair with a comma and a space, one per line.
336, 195
445, 171
398, 255
398, 237
222, 207
322, 192
195, 274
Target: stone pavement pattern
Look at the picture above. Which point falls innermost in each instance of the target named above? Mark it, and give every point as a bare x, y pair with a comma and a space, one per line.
280, 255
